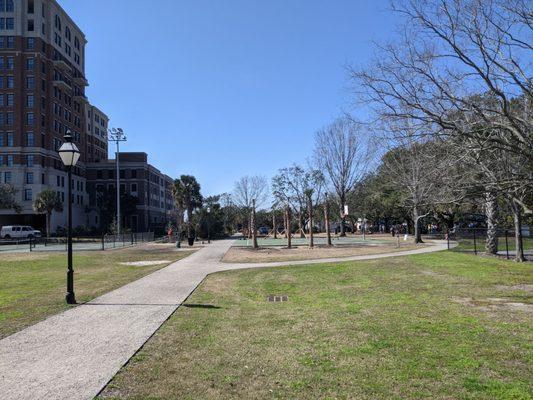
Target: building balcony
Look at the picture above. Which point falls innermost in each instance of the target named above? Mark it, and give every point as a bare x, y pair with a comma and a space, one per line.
81, 98
80, 80
62, 65
62, 84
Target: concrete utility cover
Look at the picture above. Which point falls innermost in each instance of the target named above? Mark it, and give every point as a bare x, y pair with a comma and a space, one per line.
274, 299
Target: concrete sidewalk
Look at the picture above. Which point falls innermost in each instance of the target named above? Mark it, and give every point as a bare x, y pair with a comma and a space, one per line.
74, 354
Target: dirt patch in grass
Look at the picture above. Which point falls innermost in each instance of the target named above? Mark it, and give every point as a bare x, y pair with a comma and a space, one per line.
274, 254
523, 288
494, 304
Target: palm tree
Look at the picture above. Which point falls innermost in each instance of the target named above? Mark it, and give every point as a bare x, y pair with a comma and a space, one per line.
46, 203
187, 196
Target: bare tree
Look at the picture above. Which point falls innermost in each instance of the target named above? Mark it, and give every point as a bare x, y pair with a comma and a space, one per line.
342, 152
246, 190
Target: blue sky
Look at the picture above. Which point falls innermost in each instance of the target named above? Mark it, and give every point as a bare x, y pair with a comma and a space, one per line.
220, 89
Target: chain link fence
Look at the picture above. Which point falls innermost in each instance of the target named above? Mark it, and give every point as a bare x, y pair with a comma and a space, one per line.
473, 240
101, 243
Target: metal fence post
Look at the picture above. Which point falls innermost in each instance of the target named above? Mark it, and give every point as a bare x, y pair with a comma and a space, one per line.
114, 241
30, 243
103, 242
506, 245
475, 245
448, 238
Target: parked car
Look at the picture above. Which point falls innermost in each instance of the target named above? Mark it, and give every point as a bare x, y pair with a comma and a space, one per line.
263, 230
19, 232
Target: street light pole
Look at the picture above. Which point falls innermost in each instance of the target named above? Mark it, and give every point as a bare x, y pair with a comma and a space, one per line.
69, 154
209, 225
117, 135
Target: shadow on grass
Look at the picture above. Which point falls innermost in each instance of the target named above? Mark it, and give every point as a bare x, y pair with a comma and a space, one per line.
210, 306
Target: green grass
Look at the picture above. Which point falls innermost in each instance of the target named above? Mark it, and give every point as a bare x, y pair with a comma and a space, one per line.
33, 285
383, 329
468, 244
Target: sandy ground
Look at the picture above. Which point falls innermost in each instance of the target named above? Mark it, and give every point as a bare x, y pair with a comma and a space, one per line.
273, 254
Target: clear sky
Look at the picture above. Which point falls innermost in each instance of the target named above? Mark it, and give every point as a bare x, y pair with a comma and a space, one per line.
224, 88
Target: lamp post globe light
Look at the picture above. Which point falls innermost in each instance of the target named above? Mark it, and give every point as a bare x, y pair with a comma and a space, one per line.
69, 154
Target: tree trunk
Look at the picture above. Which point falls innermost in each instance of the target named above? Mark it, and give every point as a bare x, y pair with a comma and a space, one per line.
189, 223
253, 227
289, 235
491, 212
300, 223
343, 217
517, 216
48, 222
326, 218
416, 219
311, 238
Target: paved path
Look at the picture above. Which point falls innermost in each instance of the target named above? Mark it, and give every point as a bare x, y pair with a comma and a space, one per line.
74, 354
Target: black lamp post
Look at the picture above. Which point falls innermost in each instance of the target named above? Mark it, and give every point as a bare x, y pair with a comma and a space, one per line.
70, 154
208, 224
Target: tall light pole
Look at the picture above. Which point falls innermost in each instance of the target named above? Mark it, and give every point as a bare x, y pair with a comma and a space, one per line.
69, 154
208, 224
117, 135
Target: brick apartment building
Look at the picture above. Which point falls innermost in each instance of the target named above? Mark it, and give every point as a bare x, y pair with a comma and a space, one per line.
138, 178
42, 95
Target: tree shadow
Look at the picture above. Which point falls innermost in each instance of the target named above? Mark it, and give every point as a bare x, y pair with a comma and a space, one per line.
209, 306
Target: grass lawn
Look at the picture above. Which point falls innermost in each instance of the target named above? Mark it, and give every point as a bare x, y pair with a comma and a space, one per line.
435, 326
33, 285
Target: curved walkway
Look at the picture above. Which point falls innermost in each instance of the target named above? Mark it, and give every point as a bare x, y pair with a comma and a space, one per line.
74, 354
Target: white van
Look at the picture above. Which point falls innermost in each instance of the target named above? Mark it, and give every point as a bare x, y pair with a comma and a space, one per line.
19, 232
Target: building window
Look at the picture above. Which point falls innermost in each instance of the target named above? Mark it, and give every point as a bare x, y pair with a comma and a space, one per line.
9, 121
30, 117
30, 139
30, 43
30, 100
7, 176
30, 63
10, 99
7, 6
31, 7
10, 82
28, 195
29, 178
10, 139
9, 160
2, 140
7, 24
57, 22
67, 33
31, 25
134, 187
2, 104
30, 83
10, 63
30, 160
10, 42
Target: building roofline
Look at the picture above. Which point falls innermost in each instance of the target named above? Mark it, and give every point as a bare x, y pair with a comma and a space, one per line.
56, 3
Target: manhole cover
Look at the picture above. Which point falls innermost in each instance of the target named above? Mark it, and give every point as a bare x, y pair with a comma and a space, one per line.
273, 298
